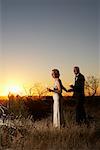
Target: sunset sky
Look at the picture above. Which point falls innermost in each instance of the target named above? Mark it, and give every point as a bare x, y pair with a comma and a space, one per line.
39, 35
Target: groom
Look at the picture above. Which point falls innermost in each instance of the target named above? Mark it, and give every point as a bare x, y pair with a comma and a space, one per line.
78, 93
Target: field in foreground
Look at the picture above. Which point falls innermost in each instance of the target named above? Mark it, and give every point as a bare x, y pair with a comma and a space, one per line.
27, 134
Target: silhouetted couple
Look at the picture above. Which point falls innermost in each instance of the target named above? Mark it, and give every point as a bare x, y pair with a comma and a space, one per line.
78, 93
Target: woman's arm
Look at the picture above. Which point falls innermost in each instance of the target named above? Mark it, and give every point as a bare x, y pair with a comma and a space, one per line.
64, 88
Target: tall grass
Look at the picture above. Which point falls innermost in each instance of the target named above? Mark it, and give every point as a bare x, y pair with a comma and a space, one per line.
27, 134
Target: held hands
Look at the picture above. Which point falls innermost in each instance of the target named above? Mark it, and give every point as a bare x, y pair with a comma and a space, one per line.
71, 86
70, 90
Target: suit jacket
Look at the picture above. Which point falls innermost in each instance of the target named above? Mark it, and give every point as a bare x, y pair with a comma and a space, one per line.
78, 87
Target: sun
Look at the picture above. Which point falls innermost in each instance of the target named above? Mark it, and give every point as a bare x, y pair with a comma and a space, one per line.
13, 89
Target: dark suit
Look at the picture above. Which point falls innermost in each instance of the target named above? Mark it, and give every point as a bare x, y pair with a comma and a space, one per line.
78, 90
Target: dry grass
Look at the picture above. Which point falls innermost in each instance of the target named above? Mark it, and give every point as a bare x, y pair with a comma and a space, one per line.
27, 134
40, 135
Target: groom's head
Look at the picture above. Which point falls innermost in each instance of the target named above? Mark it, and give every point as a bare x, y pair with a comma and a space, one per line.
76, 70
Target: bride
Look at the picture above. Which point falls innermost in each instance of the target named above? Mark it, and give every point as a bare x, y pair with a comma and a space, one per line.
58, 118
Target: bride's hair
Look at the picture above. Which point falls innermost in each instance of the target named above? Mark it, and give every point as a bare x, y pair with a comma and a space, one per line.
56, 73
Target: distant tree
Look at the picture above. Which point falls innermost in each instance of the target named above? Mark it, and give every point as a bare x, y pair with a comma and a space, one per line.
28, 90
36, 90
39, 90
91, 85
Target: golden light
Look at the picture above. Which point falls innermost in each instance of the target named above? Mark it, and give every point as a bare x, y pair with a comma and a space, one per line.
13, 89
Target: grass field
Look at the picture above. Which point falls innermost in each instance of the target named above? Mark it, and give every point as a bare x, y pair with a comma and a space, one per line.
27, 133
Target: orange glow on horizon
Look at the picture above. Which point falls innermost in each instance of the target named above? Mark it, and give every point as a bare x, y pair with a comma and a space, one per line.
14, 89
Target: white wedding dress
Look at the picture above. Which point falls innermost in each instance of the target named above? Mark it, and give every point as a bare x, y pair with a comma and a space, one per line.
56, 110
